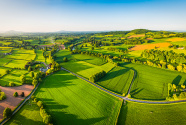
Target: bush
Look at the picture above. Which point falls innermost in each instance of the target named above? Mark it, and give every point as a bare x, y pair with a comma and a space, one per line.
22, 94
15, 94
7, 113
35, 99
40, 104
2, 96
65, 59
47, 119
11, 84
32, 74
43, 112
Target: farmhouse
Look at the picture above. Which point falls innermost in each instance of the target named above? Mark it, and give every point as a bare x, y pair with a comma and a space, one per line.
8, 53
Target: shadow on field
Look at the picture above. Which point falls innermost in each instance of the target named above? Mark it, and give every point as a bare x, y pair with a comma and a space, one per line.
123, 114
135, 91
61, 117
177, 80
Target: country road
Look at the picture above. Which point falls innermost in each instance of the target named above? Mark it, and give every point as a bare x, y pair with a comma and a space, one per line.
126, 98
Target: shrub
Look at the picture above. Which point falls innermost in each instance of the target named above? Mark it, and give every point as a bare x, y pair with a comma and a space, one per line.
22, 94
40, 104
35, 99
47, 119
34, 82
2, 96
7, 113
43, 112
32, 74
65, 59
15, 94
11, 84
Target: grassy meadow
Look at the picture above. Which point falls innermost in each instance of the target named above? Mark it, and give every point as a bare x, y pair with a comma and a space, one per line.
133, 113
29, 114
117, 80
71, 100
152, 83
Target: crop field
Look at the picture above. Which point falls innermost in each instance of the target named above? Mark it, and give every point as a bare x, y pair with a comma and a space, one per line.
151, 83
4, 61
39, 56
29, 114
117, 80
13, 76
16, 64
22, 55
86, 69
134, 113
3, 70
150, 46
139, 35
71, 100
176, 39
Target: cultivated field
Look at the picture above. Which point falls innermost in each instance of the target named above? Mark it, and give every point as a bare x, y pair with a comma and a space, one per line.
176, 39
134, 113
72, 101
139, 35
151, 83
29, 114
86, 69
117, 80
150, 46
12, 101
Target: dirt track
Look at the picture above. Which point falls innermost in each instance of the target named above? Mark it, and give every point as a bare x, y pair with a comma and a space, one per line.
12, 101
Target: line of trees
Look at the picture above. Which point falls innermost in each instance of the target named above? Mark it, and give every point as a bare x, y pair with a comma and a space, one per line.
97, 76
47, 119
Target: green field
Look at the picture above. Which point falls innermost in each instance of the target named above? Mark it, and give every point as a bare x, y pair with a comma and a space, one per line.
72, 101
117, 80
152, 114
29, 114
13, 76
78, 57
86, 69
16, 64
151, 83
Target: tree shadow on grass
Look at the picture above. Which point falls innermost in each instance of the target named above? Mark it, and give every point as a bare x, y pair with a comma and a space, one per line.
177, 80
60, 116
123, 114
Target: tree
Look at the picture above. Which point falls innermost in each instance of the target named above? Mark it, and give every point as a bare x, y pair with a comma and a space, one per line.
7, 113
22, 94
47, 119
40, 104
23, 79
11, 84
65, 59
29, 68
7, 71
37, 76
15, 94
34, 82
32, 74
92, 48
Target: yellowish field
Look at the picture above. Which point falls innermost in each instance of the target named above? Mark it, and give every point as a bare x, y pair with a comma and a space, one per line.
139, 35
150, 46
176, 39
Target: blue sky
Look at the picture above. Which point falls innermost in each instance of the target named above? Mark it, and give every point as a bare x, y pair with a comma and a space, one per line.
91, 15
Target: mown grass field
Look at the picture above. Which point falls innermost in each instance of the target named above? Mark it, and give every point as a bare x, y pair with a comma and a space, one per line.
151, 83
117, 80
29, 114
152, 114
78, 57
86, 69
13, 76
71, 100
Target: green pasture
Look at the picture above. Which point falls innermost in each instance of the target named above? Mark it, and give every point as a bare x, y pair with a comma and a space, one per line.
86, 69
117, 80
29, 114
133, 113
13, 76
152, 83
4, 61
16, 64
78, 57
71, 100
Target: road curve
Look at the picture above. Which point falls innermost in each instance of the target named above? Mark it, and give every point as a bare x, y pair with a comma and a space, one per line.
125, 98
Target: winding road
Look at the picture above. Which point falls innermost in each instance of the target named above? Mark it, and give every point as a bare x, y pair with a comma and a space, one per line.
122, 97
